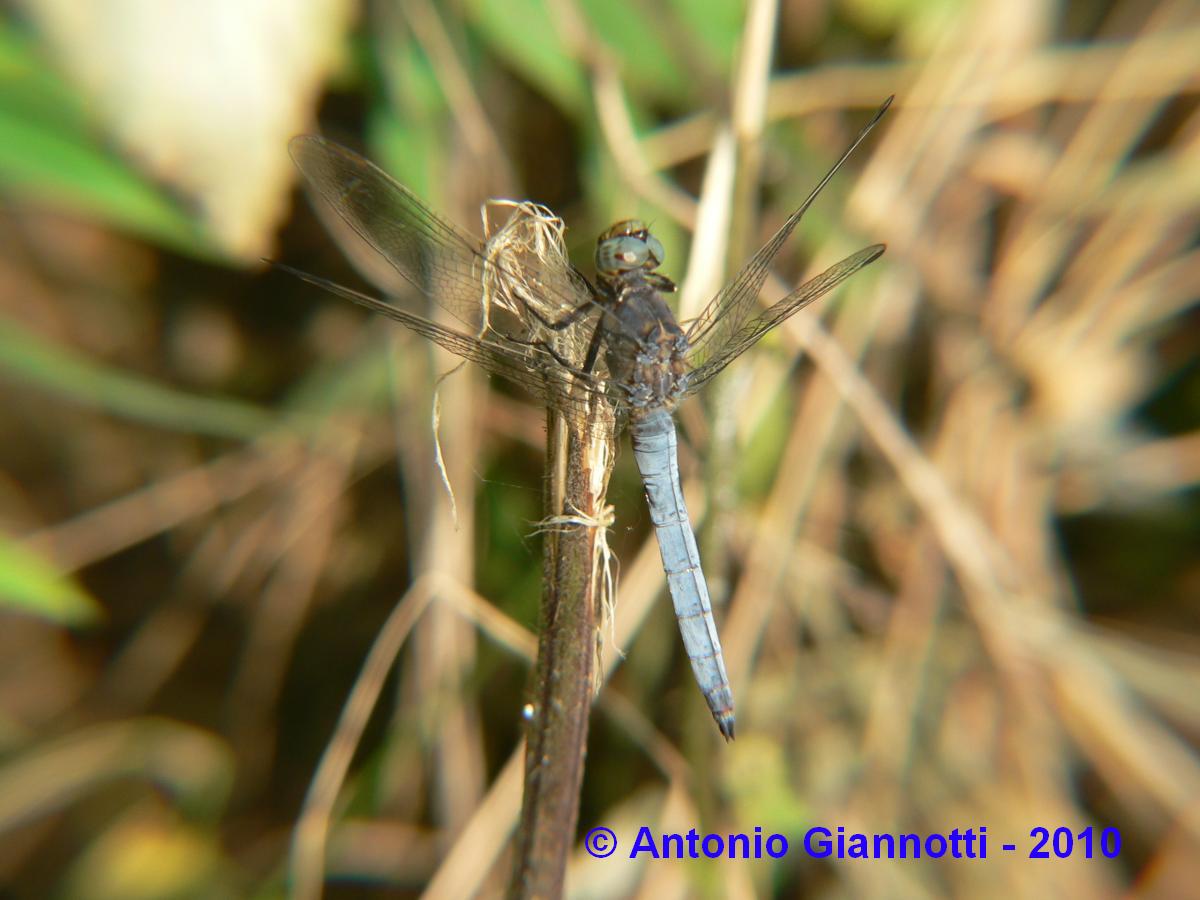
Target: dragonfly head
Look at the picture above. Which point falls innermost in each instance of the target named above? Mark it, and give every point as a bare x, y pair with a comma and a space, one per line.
627, 247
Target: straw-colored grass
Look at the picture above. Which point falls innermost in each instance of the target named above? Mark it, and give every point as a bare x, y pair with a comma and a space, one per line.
954, 550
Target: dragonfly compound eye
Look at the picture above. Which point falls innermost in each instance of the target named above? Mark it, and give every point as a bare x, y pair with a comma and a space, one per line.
621, 254
625, 253
654, 245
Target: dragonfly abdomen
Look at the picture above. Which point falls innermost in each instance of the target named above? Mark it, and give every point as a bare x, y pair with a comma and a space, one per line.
654, 448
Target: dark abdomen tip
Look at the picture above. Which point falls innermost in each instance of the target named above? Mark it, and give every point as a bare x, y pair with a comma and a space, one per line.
725, 723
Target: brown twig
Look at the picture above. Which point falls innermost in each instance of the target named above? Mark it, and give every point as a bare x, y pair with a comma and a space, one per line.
580, 459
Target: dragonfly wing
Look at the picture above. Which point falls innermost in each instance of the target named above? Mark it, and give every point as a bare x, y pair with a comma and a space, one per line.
430, 253
750, 332
529, 366
726, 314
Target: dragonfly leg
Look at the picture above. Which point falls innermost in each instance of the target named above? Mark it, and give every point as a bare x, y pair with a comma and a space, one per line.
558, 358
595, 301
589, 362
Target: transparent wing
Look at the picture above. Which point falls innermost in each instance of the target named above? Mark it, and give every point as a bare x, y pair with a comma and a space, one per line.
530, 366
724, 318
430, 253
750, 332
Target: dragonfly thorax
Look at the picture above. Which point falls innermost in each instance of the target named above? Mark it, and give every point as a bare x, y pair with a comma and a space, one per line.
646, 348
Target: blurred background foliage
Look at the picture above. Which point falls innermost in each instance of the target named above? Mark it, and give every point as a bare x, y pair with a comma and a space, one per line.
955, 551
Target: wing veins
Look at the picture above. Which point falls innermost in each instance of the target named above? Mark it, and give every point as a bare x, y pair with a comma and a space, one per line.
420, 243
530, 367
753, 331
725, 314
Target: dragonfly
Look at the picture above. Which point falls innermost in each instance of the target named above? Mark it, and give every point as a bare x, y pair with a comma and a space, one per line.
537, 321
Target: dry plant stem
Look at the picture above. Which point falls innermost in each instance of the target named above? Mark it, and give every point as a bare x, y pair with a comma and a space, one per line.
307, 864
579, 460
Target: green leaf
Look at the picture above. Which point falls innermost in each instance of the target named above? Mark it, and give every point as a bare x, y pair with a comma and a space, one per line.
41, 364
522, 33
48, 151
649, 63
717, 26
29, 584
